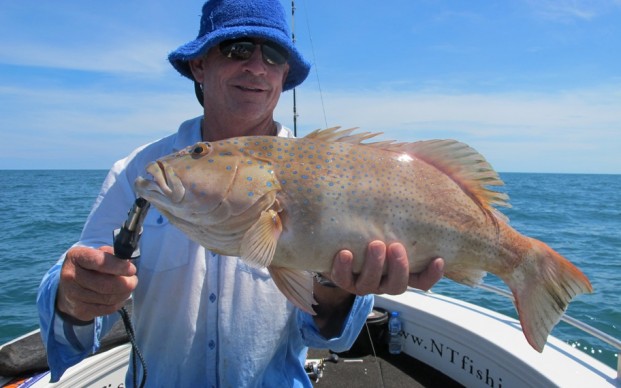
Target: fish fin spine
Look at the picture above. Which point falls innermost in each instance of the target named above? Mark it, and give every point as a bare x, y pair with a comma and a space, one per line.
335, 134
542, 286
466, 167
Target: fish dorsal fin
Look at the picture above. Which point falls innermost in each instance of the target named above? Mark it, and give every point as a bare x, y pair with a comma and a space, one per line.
465, 166
259, 242
335, 134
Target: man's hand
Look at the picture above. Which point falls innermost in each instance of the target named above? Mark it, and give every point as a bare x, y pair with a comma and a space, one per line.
371, 279
334, 303
93, 282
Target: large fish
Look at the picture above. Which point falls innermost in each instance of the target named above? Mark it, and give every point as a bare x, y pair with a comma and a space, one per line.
291, 204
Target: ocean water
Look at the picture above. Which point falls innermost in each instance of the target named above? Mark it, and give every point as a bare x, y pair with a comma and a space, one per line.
42, 213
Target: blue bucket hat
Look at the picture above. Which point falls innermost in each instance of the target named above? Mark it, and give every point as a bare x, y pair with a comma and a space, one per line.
231, 19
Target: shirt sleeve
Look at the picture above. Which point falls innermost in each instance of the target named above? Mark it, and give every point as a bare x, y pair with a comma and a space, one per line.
362, 307
68, 344
59, 337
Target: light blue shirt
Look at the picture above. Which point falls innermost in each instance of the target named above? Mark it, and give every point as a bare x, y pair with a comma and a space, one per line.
201, 319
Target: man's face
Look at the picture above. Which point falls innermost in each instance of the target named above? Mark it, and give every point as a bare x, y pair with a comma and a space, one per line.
247, 88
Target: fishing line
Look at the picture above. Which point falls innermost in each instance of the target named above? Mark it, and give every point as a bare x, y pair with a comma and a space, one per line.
310, 38
129, 329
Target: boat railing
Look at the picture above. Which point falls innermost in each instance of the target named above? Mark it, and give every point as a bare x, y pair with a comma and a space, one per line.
610, 340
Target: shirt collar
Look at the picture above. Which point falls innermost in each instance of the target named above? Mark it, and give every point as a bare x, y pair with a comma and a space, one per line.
190, 133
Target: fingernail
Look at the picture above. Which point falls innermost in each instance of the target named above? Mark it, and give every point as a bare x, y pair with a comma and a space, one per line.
343, 257
377, 249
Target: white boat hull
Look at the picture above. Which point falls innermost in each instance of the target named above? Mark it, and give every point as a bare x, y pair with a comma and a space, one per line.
481, 348
472, 345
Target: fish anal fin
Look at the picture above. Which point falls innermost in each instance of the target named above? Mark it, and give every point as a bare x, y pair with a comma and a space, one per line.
296, 285
542, 286
465, 166
468, 276
259, 242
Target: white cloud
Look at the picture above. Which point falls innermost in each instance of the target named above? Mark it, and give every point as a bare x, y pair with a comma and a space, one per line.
570, 131
60, 128
118, 37
138, 57
570, 10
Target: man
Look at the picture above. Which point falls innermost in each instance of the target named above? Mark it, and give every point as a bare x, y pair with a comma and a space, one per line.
202, 319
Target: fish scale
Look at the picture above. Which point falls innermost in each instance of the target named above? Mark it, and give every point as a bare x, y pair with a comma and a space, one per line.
291, 204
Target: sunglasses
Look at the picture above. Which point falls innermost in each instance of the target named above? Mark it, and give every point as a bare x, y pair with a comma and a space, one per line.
242, 50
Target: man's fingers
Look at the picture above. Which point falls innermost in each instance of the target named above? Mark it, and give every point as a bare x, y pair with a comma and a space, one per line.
395, 281
93, 282
371, 273
430, 276
101, 260
342, 268
105, 284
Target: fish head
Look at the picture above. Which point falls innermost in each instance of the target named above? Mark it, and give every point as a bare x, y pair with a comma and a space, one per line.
207, 182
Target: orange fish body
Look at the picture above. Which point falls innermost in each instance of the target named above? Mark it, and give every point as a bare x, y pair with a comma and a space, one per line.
292, 204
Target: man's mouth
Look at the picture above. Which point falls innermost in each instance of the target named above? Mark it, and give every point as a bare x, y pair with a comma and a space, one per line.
250, 89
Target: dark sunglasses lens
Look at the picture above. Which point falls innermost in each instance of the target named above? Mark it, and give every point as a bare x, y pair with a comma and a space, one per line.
239, 51
243, 50
274, 55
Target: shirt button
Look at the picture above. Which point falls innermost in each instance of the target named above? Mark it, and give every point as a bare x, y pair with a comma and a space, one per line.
212, 344
212, 297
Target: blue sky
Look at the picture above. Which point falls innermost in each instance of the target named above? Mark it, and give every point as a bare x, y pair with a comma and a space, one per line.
534, 85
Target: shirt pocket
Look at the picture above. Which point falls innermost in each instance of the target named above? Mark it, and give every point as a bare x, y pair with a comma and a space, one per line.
163, 247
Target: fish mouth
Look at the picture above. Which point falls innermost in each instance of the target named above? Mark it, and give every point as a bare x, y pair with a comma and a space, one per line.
165, 184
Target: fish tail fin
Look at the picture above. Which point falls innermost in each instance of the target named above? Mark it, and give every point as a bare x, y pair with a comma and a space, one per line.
543, 285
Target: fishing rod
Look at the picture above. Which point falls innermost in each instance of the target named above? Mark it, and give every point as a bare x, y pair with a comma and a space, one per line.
295, 112
126, 247
293, 38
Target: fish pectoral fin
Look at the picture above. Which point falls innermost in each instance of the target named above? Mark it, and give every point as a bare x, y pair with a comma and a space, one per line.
296, 285
259, 242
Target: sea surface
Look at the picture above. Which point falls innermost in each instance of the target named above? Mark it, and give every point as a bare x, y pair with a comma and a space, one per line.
42, 213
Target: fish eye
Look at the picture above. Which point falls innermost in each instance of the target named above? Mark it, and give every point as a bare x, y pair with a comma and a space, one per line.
200, 149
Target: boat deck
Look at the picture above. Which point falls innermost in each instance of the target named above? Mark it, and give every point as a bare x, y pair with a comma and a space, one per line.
382, 370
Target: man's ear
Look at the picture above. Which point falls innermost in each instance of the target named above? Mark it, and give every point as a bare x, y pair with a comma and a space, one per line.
285, 73
197, 66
